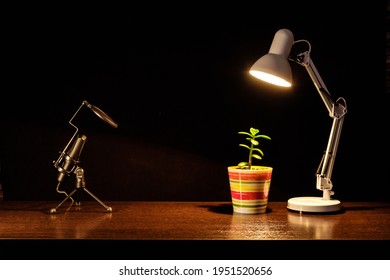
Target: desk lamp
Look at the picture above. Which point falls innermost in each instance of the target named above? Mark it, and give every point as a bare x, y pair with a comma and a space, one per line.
68, 161
274, 68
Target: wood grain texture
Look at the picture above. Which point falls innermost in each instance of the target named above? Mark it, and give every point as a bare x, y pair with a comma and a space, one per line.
31, 220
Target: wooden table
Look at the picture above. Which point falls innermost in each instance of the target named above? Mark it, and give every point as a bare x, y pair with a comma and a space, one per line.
190, 221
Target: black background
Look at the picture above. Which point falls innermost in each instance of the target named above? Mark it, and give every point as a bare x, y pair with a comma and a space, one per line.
175, 79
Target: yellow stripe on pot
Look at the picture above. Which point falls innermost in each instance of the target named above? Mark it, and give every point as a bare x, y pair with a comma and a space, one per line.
247, 203
249, 188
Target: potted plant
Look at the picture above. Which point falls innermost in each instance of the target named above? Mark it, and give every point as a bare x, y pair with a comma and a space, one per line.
250, 183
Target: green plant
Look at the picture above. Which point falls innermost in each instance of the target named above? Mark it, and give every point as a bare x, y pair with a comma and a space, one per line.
253, 151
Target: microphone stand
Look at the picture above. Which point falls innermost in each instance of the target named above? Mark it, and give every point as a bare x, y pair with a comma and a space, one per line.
80, 185
71, 157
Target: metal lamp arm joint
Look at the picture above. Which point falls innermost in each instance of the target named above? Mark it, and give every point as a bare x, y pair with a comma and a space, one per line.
337, 111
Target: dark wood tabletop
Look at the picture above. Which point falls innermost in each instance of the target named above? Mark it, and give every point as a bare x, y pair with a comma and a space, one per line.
171, 229
189, 221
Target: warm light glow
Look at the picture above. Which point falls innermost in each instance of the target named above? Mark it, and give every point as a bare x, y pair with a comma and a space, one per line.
270, 78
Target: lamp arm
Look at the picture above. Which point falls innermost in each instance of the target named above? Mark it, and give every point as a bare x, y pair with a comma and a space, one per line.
337, 112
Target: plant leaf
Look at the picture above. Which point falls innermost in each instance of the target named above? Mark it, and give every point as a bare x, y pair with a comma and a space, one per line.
254, 142
263, 136
258, 150
246, 133
245, 146
256, 156
253, 131
242, 164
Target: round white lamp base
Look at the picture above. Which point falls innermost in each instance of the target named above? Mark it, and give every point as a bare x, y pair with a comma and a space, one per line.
313, 204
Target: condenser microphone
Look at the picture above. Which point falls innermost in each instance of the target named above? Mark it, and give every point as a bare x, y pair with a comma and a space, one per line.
71, 158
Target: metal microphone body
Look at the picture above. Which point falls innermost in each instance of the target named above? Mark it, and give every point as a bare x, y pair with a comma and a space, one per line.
71, 158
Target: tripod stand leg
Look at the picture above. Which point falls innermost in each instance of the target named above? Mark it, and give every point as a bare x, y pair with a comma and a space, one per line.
54, 210
80, 184
109, 209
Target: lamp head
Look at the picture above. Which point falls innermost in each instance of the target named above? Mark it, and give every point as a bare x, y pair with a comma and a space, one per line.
274, 67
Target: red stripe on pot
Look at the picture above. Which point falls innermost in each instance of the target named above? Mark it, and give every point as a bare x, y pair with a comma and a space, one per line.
249, 195
250, 176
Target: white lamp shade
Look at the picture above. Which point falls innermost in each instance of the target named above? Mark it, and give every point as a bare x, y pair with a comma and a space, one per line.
274, 67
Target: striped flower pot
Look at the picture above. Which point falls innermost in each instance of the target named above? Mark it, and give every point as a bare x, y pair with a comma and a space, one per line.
250, 188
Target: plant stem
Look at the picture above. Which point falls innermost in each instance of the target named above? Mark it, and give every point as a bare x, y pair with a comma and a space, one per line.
250, 156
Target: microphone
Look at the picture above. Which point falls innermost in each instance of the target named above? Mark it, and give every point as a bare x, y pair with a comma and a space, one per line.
71, 158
